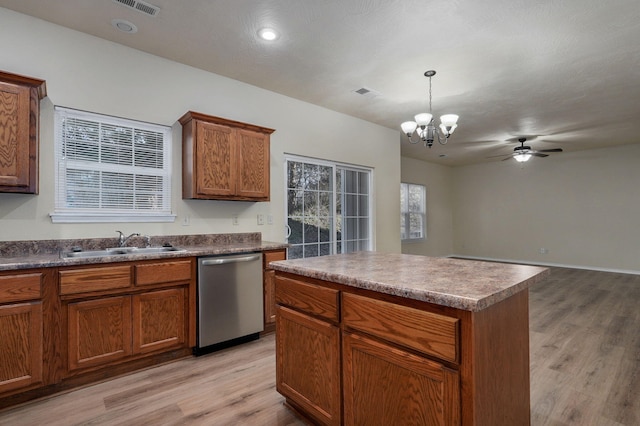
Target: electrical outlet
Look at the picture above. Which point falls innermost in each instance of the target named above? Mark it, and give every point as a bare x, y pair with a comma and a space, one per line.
269, 219
234, 219
543, 250
260, 219
186, 220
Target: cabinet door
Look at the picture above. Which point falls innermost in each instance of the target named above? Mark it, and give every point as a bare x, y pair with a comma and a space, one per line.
308, 364
269, 297
99, 331
384, 385
215, 160
20, 345
14, 138
270, 286
159, 320
253, 165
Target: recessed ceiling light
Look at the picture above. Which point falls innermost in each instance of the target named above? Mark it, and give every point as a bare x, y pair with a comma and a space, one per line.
268, 34
124, 26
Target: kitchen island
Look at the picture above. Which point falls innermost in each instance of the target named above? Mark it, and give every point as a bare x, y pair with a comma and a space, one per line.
377, 338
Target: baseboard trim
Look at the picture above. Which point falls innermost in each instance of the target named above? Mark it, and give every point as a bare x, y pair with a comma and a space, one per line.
559, 265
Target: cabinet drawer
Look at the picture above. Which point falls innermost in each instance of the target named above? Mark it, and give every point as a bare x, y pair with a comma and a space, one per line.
163, 272
309, 298
426, 332
272, 256
17, 288
94, 279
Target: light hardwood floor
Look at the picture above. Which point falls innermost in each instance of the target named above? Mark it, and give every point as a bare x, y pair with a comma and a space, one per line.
585, 370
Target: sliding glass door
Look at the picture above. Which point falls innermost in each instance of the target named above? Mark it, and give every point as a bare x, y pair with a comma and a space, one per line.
328, 207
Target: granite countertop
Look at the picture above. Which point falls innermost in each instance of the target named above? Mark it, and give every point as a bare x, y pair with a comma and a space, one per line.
464, 284
46, 253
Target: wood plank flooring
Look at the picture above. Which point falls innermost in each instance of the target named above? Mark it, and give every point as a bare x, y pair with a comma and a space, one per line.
585, 370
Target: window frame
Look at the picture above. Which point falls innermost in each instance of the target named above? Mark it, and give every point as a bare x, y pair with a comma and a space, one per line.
337, 246
405, 213
63, 213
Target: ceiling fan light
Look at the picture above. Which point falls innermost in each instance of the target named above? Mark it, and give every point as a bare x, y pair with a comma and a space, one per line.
408, 127
423, 119
521, 158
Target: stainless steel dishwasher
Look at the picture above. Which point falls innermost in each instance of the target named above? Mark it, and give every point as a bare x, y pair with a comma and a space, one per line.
230, 301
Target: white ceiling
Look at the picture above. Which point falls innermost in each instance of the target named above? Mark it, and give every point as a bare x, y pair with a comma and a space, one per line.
565, 73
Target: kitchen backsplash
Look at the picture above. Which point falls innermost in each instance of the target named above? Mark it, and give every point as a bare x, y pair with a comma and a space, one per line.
34, 247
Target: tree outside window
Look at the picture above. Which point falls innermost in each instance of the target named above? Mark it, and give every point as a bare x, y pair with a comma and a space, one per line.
413, 218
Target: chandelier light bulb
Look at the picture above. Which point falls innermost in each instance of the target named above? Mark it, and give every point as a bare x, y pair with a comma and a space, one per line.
423, 119
408, 127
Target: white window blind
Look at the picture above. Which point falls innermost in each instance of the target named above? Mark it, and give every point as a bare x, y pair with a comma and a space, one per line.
110, 169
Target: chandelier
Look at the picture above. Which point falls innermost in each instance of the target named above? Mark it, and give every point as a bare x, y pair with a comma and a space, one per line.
424, 127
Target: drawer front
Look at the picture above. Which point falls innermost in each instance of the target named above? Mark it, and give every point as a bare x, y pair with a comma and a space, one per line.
163, 272
94, 279
309, 298
23, 287
426, 332
272, 256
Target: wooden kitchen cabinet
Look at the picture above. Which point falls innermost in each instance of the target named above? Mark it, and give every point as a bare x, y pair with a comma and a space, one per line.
383, 383
406, 352
21, 331
308, 350
269, 281
99, 331
224, 159
19, 132
399, 360
158, 320
126, 311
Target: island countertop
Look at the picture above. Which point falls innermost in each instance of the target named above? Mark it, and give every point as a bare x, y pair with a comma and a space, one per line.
463, 284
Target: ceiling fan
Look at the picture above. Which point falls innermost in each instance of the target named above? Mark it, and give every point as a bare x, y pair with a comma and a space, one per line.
524, 152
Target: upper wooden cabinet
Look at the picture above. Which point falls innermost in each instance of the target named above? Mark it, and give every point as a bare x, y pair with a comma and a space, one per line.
19, 131
224, 159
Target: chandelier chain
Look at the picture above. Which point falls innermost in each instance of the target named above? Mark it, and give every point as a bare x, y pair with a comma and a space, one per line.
430, 110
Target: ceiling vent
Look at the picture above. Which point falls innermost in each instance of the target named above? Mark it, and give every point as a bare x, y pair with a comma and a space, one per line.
140, 6
364, 91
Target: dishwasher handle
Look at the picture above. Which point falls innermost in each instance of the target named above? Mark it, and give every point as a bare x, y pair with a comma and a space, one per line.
225, 260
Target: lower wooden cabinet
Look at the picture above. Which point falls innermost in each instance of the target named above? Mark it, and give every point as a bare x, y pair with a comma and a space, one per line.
121, 312
158, 320
269, 280
384, 385
21, 343
21, 330
308, 372
106, 330
399, 361
99, 331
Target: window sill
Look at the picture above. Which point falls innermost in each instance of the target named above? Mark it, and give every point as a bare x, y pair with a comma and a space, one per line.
109, 218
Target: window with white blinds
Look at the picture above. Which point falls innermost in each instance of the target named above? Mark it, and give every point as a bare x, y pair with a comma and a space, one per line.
110, 169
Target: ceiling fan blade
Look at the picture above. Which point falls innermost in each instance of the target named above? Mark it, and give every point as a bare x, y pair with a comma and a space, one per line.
508, 158
551, 150
501, 155
537, 154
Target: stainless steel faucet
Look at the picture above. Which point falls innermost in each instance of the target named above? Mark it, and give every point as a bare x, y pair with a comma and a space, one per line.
122, 240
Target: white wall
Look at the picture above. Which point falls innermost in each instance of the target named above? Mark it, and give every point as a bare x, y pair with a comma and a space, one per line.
583, 207
438, 183
92, 74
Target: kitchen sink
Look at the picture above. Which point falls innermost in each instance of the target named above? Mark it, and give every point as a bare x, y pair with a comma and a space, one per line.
118, 251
